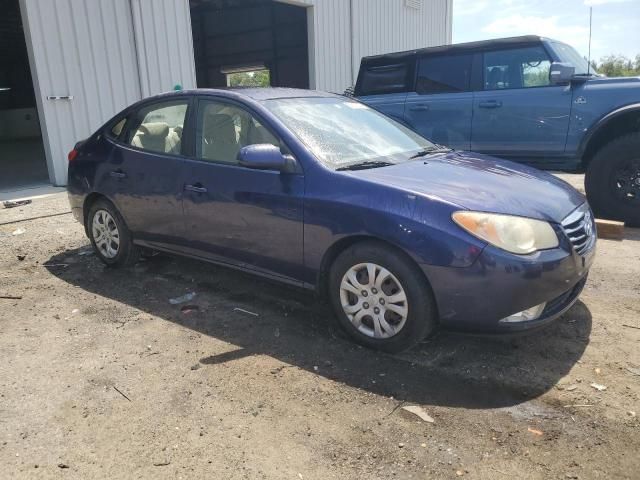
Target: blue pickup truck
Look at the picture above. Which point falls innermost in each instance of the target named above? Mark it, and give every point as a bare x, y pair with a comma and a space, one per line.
528, 99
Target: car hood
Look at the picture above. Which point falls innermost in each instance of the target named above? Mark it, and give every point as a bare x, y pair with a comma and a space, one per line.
478, 182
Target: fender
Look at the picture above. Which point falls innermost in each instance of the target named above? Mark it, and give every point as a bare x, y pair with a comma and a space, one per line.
602, 122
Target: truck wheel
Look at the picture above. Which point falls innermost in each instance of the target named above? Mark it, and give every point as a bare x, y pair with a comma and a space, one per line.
612, 181
380, 298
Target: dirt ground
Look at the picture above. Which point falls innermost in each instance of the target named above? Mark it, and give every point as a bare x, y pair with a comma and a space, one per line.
102, 377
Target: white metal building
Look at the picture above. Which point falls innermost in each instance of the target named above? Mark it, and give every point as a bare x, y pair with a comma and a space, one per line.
69, 65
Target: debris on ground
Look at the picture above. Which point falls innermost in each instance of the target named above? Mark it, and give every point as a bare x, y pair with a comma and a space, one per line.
419, 412
187, 297
63, 465
634, 371
195, 367
18, 231
118, 390
535, 431
14, 204
187, 309
600, 388
21, 257
242, 310
161, 464
10, 297
571, 388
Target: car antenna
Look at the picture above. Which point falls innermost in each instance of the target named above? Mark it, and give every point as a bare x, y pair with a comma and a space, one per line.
589, 59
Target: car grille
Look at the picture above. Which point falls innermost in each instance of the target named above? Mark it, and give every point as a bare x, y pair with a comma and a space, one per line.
580, 229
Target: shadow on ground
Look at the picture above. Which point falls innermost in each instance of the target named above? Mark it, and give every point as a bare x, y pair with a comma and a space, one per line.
292, 326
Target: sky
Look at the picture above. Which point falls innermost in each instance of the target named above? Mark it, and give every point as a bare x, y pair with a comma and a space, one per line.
616, 23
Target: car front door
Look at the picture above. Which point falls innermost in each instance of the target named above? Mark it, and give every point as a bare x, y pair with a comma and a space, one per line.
251, 218
519, 113
441, 107
145, 173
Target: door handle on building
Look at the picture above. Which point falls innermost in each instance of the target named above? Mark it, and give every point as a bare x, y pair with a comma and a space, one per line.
60, 97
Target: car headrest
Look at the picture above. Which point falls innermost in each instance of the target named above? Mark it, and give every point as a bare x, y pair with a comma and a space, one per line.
157, 129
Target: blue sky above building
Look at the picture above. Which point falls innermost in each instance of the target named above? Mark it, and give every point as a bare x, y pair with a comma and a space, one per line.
616, 23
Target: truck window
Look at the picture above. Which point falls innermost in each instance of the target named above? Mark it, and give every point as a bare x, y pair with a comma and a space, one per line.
516, 68
443, 74
382, 79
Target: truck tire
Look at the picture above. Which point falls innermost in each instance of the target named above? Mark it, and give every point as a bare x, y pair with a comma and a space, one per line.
612, 181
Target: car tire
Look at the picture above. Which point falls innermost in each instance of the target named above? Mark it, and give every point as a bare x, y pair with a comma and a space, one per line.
612, 181
109, 235
372, 322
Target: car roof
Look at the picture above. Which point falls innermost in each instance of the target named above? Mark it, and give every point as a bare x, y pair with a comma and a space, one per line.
255, 93
468, 47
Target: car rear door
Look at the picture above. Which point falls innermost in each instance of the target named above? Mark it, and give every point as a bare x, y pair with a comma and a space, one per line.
441, 106
518, 112
145, 173
250, 218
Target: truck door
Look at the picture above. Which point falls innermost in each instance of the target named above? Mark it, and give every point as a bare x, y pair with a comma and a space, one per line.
441, 106
518, 112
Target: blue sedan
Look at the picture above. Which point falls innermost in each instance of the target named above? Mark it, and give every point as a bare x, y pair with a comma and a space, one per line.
401, 235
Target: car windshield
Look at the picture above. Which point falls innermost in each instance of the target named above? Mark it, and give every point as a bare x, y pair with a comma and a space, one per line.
568, 54
343, 133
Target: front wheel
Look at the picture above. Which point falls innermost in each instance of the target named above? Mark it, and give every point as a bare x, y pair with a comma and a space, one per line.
380, 297
612, 181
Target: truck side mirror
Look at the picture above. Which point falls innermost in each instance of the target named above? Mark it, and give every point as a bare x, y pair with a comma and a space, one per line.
561, 73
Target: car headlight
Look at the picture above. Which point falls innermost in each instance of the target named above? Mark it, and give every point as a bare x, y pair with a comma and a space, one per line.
514, 234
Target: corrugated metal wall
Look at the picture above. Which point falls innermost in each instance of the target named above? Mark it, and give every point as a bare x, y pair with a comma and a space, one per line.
164, 44
106, 54
376, 26
84, 50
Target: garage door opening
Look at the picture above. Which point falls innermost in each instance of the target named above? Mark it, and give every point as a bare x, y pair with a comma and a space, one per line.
22, 157
249, 43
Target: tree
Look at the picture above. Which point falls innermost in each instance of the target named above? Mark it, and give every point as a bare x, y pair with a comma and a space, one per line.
257, 78
618, 66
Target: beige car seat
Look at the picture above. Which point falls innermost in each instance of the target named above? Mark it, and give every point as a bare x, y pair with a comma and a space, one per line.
219, 138
158, 137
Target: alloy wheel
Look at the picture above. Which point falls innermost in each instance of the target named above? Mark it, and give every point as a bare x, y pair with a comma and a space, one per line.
626, 182
374, 300
105, 234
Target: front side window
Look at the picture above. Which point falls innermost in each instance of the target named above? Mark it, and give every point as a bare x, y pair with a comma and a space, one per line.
342, 132
443, 74
158, 127
223, 129
516, 68
384, 79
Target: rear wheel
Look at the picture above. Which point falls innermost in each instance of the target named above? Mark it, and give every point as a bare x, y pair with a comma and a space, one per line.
380, 297
110, 236
612, 181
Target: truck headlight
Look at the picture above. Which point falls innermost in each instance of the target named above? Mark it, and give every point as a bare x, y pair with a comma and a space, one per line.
514, 234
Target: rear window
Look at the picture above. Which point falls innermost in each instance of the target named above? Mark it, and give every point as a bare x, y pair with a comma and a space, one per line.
384, 79
444, 74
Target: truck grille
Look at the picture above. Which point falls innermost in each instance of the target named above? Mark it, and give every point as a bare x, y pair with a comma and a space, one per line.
580, 229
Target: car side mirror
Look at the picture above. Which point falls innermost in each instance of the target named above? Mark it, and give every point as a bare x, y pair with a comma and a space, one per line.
264, 156
561, 73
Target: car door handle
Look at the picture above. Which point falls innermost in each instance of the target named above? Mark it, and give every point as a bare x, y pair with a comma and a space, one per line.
118, 174
490, 104
420, 107
198, 188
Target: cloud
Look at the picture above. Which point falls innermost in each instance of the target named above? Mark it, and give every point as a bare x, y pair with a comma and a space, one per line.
593, 3
518, 24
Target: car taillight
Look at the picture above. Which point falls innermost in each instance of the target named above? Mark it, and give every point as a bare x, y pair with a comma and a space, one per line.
72, 155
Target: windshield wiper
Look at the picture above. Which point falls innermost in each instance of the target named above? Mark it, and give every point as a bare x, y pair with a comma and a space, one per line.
365, 165
430, 151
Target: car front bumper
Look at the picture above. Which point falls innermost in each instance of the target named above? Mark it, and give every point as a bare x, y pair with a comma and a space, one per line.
500, 284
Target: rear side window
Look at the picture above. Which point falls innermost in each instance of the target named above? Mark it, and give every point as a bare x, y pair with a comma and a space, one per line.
116, 130
444, 74
382, 79
158, 127
516, 68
